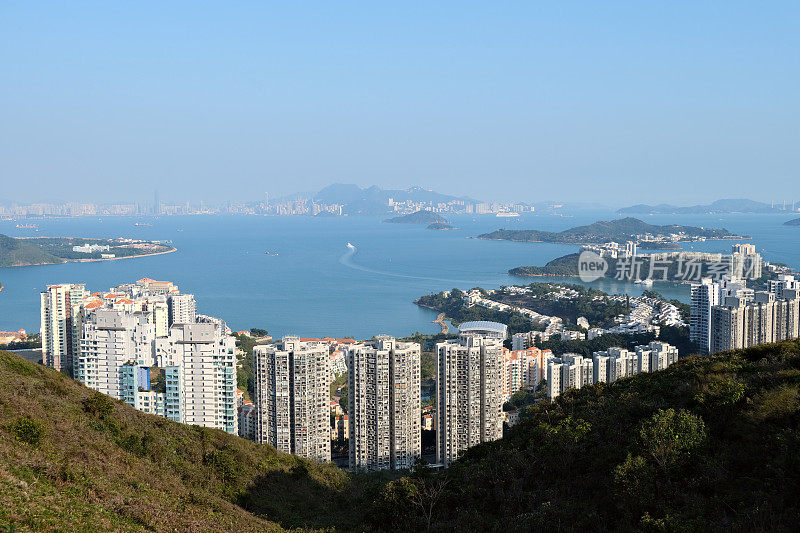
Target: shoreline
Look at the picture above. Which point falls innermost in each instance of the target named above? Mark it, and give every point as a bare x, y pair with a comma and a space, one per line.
173, 249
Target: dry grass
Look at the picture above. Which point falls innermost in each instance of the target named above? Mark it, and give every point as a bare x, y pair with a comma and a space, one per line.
127, 471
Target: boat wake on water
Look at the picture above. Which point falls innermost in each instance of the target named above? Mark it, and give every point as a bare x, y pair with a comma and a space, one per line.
347, 260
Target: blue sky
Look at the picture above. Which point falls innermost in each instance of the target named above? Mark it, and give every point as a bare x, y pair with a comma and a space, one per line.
617, 103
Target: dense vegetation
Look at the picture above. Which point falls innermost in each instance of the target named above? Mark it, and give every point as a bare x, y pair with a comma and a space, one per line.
455, 310
619, 230
590, 303
19, 252
710, 443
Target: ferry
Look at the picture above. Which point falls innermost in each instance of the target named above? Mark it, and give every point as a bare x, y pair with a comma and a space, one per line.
644, 282
142, 224
27, 226
504, 214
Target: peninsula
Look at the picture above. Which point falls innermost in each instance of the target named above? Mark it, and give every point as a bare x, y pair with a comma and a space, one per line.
31, 251
793, 222
621, 230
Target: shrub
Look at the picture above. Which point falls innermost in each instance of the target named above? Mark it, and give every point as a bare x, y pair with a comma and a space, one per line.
98, 404
27, 430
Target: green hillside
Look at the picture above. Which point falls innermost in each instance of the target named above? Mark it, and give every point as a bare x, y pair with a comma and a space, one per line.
622, 229
712, 443
17, 252
71, 459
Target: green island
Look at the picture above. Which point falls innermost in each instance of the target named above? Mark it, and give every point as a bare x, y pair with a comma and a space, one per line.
55, 250
440, 226
710, 440
418, 217
620, 230
567, 266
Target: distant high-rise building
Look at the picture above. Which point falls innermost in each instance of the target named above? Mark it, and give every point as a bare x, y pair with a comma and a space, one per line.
704, 296
469, 394
750, 318
61, 325
384, 404
292, 396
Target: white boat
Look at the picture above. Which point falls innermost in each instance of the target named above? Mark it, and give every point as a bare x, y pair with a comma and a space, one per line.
644, 282
351, 246
504, 215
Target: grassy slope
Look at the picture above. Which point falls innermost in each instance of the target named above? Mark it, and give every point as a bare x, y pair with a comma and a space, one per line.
16, 252
132, 471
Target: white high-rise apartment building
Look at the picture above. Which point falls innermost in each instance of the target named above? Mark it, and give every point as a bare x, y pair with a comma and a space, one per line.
186, 373
112, 339
752, 318
704, 296
570, 371
384, 404
200, 372
61, 325
182, 309
292, 397
469, 397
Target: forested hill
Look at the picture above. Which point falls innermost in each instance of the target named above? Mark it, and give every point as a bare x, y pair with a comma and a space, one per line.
619, 230
711, 443
18, 252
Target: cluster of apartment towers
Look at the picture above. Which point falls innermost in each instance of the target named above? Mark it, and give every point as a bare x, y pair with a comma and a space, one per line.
727, 315
145, 344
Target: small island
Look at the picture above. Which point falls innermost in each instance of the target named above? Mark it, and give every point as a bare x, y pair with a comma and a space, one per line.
440, 226
626, 229
793, 222
30, 251
418, 217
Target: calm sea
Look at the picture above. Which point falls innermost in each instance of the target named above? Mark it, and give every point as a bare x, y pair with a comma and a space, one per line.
312, 284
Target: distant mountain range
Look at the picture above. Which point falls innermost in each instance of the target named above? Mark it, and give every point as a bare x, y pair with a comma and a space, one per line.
720, 206
374, 200
621, 230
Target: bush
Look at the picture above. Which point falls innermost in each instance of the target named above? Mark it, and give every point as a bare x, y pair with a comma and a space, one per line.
27, 430
98, 404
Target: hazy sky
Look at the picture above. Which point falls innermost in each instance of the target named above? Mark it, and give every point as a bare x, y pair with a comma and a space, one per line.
598, 101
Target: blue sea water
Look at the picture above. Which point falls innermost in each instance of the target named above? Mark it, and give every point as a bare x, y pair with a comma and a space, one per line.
312, 284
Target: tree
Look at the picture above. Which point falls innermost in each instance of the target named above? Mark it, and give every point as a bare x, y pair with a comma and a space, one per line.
670, 435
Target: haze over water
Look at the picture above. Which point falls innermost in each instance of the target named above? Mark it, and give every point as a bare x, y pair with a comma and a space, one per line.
316, 285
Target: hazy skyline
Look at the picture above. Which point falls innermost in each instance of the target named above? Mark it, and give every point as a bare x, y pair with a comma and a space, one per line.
617, 103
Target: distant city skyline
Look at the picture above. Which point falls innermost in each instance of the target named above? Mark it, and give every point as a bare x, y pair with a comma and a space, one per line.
678, 102
148, 204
